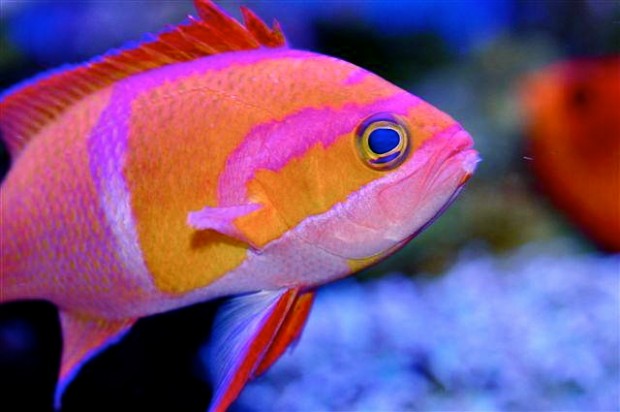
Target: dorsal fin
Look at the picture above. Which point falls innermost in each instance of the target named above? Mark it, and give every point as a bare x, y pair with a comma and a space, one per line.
27, 108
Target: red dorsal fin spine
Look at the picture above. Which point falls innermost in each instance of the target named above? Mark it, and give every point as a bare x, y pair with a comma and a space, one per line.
27, 108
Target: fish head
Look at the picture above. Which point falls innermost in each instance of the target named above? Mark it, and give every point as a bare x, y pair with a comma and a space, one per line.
372, 175
343, 161
414, 193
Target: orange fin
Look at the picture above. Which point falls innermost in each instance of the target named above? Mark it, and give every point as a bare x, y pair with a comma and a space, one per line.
289, 333
27, 108
83, 338
250, 333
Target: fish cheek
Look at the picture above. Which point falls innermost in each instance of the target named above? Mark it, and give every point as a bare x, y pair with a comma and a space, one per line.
308, 185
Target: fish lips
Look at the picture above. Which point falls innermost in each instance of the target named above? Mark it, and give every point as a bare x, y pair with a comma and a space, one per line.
428, 188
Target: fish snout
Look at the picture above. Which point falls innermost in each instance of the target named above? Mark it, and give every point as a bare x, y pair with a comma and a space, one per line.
445, 164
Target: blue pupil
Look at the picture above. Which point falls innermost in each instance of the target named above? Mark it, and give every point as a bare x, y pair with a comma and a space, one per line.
383, 140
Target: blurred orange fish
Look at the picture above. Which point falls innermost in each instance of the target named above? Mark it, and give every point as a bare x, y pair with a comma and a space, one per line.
573, 122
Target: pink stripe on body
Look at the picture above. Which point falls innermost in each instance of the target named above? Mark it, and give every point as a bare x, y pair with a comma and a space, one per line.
274, 144
108, 143
107, 146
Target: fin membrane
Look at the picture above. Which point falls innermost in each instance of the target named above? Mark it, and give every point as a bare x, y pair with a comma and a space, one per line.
250, 333
27, 108
84, 337
289, 332
221, 219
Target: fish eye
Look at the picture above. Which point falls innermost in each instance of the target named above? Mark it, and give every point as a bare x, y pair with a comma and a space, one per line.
382, 141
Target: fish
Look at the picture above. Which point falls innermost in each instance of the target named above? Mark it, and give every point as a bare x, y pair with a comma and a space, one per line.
572, 124
210, 161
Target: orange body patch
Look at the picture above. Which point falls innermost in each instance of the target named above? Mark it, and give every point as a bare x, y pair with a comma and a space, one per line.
306, 186
181, 134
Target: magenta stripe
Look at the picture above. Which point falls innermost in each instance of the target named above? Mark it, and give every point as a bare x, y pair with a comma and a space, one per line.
274, 144
107, 147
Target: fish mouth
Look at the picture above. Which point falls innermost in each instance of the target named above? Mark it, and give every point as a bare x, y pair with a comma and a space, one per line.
449, 161
455, 144
432, 186
400, 244
407, 204
463, 147
469, 165
443, 208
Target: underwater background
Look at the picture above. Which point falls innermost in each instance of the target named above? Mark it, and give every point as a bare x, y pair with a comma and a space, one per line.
502, 304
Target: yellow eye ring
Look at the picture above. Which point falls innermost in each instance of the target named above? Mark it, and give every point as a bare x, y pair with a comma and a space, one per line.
382, 141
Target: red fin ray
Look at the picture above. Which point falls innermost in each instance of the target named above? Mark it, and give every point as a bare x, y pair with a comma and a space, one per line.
251, 332
290, 331
25, 109
268, 37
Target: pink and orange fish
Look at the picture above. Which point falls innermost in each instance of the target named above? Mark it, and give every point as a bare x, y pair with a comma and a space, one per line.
573, 122
213, 161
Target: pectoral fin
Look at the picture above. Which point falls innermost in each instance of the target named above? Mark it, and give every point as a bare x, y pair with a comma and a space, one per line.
250, 333
221, 219
84, 337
